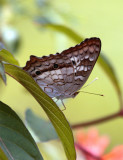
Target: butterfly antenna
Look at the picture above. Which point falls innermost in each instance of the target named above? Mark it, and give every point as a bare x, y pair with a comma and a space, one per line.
92, 93
90, 82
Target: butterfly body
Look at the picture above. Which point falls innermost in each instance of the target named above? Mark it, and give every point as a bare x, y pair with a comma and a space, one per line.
63, 74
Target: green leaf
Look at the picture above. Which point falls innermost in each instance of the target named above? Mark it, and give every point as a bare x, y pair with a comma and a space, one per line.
104, 63
66, 30
2, 72
15, 140
109, 70
53, 112
2, 154
42, 129
8, 57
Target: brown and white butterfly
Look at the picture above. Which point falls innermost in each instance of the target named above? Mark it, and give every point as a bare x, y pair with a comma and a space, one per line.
63, 74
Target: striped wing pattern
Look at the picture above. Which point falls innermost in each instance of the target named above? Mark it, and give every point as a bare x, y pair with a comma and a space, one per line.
63, 74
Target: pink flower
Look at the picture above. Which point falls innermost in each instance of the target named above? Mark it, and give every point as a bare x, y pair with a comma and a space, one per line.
91, 146
92, 142
115, 154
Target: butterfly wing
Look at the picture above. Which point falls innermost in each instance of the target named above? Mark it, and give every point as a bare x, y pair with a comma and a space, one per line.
61, 75
52, 73
83, 59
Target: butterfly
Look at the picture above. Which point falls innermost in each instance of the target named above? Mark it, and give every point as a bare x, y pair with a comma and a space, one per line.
62, 75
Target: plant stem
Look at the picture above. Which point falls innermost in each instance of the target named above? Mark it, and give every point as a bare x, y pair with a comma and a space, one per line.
96, 121
87, 153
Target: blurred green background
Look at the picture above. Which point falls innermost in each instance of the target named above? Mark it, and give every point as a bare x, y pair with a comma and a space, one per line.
103, 19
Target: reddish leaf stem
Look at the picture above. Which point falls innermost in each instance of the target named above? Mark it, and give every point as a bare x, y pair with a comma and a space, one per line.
87, 153
101, 120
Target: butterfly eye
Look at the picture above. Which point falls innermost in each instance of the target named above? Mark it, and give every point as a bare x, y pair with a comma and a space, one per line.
37, 72
73, 62
55, 65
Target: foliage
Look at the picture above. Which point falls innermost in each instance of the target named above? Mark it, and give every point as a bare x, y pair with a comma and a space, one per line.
42, 129
54, 113
15, 140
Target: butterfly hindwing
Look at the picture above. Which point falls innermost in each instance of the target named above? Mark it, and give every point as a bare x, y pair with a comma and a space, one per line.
61, 75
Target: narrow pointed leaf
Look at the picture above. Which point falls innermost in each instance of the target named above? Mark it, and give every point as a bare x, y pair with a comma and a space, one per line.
42, 129
53, 112
109, 70
8, 57
15, 140
2, 72
66, 30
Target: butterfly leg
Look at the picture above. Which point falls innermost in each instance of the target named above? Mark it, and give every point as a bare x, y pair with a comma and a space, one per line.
63, 105
56, 100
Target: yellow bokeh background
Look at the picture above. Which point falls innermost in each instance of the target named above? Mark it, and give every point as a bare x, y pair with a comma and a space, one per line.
103, 19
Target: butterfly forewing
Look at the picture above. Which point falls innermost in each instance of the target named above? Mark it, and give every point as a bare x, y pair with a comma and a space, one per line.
62, 75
